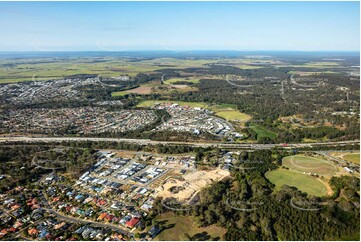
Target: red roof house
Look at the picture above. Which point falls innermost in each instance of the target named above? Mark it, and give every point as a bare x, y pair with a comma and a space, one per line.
131, 223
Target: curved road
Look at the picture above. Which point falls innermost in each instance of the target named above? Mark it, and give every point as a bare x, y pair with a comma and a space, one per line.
48, 208
293, 81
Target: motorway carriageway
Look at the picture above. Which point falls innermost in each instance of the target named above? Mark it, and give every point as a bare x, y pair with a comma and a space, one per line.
33, 139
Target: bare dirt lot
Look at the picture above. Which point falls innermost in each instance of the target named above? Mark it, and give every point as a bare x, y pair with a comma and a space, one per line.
190, 184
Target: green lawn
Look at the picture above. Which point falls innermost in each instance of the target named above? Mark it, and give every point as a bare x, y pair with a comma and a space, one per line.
223, 107
234, 115
354, 158
121, 93
303, 182
181, 225
262, 132
229, 112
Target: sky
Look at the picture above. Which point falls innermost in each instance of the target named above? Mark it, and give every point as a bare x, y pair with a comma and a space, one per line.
114, 26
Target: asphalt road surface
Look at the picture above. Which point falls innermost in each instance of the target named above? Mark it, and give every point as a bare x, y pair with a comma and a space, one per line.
34, 139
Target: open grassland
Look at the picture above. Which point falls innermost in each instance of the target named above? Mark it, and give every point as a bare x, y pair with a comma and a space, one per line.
175, 80
142, 89
53, 68
121, 93
248, 67
223, 107
315, 65
309, 73
178, 226
254, 60
56, 70
305, 183
353, 157
177, 62
322, 63
156, 87
234, 115
309, 164
250, 63
138, 90
262, 132
229, 112
174, 89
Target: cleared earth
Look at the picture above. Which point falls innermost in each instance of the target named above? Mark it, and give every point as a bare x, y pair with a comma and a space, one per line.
190, 184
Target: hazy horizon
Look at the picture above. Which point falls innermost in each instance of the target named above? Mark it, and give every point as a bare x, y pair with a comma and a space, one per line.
180, 26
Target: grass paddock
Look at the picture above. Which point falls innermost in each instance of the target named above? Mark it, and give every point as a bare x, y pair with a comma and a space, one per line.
304, 183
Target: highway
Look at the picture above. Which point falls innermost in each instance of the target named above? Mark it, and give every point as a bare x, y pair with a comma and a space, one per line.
254, 146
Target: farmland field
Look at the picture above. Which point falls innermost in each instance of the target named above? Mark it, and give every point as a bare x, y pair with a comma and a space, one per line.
52, 69
309, 164
142, 89
49, 69
139, 90
303, 182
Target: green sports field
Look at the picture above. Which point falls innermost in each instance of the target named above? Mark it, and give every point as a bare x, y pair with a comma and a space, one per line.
305, 183
308, 164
